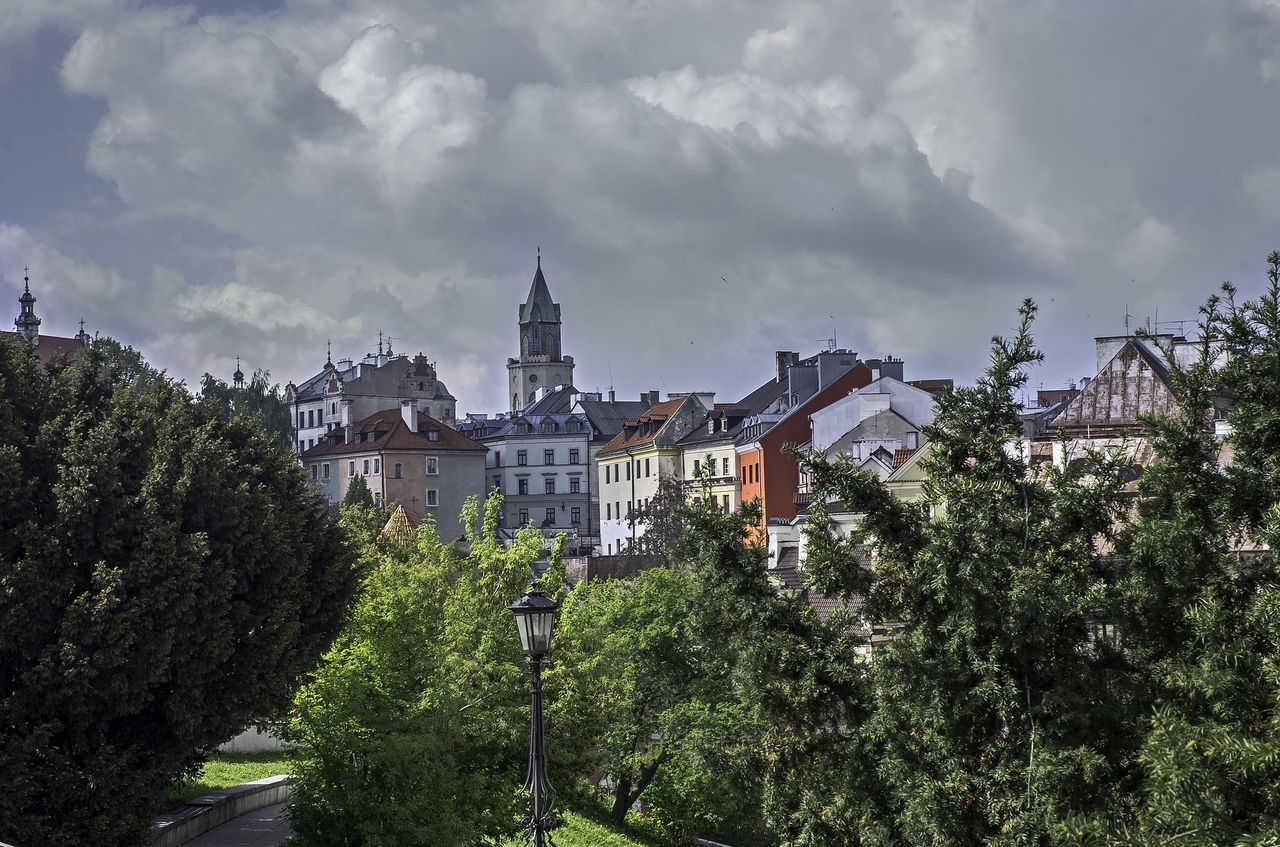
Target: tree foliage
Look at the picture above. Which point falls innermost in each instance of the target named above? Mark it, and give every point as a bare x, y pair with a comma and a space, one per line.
637, 698
358, 495
259, 399
414, 729
166, 577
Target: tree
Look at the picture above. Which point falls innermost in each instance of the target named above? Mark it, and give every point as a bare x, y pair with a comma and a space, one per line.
1198, 600
259, 399
358, 494
414, 730
634, 697
988, 717
166, 577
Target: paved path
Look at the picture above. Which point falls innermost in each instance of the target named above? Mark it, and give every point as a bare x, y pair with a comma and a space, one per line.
266, 827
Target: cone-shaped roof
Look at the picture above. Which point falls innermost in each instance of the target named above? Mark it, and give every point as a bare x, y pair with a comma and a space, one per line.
539, 305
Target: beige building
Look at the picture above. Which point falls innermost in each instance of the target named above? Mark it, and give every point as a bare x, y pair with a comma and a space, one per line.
708, 457
632, 464
406, 458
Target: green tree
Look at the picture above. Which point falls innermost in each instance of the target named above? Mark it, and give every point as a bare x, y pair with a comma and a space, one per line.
1198, 602
414, 730
634, 698
358, 494
259, 398
166, 577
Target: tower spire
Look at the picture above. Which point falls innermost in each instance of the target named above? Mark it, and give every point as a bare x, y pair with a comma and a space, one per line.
328, 353
238, 376
27, 324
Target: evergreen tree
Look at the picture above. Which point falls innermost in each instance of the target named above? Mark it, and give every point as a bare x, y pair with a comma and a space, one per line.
358, 495
1198, 602
166, 576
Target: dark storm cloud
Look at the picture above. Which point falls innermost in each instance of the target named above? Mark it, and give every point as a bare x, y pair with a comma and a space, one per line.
709, 181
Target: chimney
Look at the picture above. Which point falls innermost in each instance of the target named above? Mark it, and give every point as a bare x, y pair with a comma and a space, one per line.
892, 368
409, 412
785, 359
344, 418
611, 396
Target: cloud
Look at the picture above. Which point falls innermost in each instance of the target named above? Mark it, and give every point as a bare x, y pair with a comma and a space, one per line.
710, 180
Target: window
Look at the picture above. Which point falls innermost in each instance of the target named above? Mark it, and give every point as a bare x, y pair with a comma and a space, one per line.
549, 485
522, 428
548, 457
311, 417
333, 408
324, 470
550, 519
311, 442
302, 417
697, 465
548, 426
433, 435
913, 440
608, 511
315, 471
377, 497
433, 497
574, 425
573, 456
497, 458
320, 416
351, 468
365, 467
575, 516
522, 457
646, 466
575, 485
377, 466
617, 509
711, 425
522, 486
726, 502
433, 465
726, 467
399, 471
524, 517
628, 470
302, 445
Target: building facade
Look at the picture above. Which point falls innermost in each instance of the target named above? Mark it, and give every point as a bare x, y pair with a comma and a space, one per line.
380, 381
633, 463
406, 458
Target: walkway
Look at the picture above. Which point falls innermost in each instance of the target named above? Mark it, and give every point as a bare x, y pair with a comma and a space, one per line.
266, 827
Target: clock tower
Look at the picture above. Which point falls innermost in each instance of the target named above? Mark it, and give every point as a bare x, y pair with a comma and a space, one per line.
541, 361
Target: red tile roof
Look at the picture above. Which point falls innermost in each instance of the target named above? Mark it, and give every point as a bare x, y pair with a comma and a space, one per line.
636, 434
49, 347
901, 455
386, 430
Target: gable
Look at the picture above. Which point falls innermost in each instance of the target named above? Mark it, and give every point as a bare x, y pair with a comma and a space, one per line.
1132, 384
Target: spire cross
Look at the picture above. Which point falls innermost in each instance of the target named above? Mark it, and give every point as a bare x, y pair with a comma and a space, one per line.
82, 325
26, 276
328, 352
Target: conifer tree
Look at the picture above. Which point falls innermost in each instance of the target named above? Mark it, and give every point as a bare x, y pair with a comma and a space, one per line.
166, 576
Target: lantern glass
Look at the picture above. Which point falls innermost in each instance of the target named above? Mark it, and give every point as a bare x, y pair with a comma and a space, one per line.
535, 619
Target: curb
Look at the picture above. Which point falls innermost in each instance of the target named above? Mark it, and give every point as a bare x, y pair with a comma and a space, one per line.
183, 823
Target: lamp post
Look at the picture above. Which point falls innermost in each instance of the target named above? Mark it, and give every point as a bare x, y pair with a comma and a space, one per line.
535, 619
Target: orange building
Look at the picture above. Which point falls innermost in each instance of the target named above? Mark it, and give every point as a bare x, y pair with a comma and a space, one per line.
765, 470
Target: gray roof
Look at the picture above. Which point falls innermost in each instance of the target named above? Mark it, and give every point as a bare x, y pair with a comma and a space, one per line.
607, 416
539, 301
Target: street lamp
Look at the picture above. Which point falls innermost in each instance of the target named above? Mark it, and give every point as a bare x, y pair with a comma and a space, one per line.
535, 619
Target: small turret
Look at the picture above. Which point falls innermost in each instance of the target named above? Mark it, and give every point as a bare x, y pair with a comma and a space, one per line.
27, 324
238, 376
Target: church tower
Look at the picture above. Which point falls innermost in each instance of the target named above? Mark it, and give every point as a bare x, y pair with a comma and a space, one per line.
27, 324
541, 362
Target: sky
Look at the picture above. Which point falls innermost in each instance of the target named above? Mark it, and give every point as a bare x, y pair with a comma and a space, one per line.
708, 180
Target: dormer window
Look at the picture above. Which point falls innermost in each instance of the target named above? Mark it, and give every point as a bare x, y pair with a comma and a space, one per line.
433, 435
711, 426
574, 425
548, 426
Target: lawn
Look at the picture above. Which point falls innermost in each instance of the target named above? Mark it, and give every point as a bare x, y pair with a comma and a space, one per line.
578, 831
225, 770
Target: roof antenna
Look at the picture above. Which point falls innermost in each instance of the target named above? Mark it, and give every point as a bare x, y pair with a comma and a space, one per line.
379, 342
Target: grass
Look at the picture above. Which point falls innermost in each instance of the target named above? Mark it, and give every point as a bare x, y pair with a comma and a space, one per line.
224, 770
579, 831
